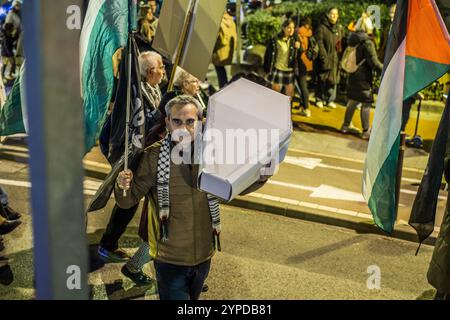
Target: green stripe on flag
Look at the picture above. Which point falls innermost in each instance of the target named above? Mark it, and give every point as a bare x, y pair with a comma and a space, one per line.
108, 32
11, 118
420, 73
382, 199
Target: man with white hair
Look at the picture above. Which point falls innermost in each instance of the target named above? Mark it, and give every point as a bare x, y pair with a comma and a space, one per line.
152, 72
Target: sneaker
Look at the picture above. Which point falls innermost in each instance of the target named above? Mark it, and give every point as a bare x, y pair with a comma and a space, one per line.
205, 288
319, 104
7, 226
305, 113
139, 278
365, 135
10, 214
331, 105
112, 256
6, 275
350, 129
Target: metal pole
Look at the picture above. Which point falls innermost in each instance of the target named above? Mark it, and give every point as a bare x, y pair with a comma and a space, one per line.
238, 25
56, 145
418, 116
181, 44
127, 116
398, 182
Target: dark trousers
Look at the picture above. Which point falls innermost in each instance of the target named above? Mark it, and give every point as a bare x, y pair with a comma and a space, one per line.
325, 92
303, 84
406, 111
3, 196
118, 222
180, 282
221, 76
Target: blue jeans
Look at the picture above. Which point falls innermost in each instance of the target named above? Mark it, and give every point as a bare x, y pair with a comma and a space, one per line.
3, 197
180, 282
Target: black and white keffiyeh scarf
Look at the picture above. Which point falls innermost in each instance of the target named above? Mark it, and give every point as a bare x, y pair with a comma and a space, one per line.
163, 178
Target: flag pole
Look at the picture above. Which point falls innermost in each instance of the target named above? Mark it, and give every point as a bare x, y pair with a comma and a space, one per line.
398, 181
181, 44
127, 117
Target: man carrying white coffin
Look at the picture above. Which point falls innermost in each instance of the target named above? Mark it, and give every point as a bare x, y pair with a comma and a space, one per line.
184, 223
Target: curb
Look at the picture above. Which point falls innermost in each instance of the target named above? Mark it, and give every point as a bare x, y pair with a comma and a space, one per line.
359, 224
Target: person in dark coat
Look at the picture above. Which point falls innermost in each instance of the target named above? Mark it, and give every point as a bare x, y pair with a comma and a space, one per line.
152, 72
439, 270
329, 38
360, 82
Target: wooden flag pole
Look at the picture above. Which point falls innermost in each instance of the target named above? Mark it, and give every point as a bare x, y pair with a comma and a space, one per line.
181, 44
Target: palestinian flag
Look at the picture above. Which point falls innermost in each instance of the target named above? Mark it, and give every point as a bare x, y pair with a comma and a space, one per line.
105, 30
13, 115
418, 53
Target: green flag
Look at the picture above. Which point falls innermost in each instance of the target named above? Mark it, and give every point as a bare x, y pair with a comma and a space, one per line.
13, 115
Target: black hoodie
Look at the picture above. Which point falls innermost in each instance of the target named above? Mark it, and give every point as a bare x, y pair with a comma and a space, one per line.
360, 82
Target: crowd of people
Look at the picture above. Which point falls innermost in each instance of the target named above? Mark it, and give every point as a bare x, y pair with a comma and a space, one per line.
299, 53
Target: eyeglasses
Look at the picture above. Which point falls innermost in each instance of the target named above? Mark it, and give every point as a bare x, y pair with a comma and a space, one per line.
162, 67
178, 123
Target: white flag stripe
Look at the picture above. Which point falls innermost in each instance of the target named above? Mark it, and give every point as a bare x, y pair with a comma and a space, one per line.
387, 119
88, 24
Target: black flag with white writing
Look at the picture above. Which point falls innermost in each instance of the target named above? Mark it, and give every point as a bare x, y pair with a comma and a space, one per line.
118, 115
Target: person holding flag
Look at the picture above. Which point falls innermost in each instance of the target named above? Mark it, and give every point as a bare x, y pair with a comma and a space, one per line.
183, 222
151, 73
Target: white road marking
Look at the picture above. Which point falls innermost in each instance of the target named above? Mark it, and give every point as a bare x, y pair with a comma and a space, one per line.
312, 163
90, 187
291, 185
308, 163
335, 193
314, 206
323, 191
317, 154
16, 183
329, 192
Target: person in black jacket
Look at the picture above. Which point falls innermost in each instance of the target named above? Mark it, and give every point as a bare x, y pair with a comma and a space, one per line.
329, 38
359, 87
280, 58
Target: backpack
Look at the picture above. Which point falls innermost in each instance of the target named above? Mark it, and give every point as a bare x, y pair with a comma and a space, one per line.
348, 62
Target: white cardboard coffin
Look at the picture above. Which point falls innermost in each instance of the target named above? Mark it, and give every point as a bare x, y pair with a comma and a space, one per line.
247, 127
200, 38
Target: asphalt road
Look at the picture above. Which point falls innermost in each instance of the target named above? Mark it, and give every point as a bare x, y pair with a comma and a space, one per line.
264, 256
